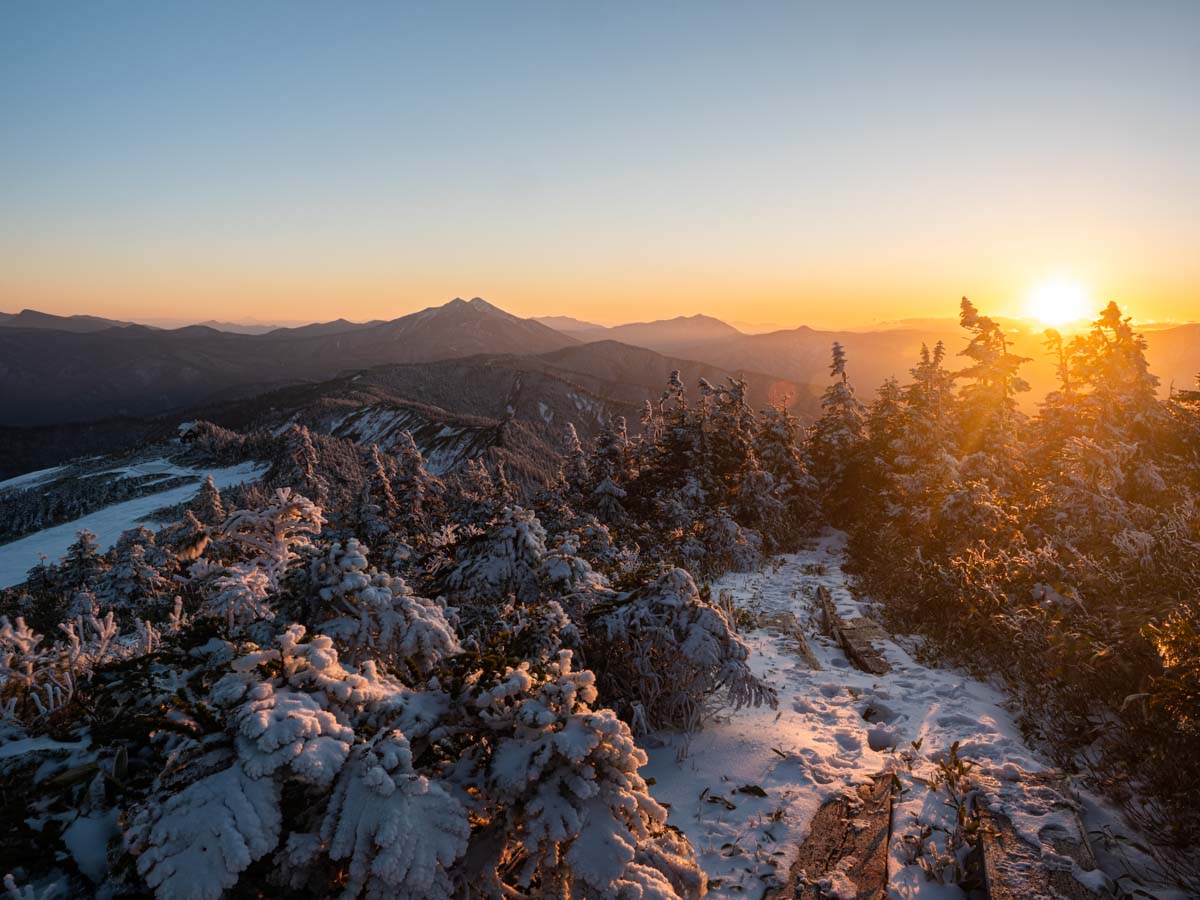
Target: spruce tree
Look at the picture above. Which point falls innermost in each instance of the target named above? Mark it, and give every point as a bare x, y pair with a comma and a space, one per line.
208, 506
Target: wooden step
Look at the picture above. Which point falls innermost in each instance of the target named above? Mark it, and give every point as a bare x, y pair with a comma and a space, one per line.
1014, 869
847, 846
854, 637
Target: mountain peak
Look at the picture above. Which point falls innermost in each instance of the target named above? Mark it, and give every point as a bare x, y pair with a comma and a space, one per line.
477, 303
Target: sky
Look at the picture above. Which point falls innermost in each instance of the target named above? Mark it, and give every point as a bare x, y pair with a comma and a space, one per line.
793, 163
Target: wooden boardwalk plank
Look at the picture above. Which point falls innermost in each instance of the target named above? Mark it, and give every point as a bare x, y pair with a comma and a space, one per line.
847, 846
787, 624
1013, 869
854, 637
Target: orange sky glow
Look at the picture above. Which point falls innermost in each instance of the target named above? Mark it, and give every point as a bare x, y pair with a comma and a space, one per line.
794, 164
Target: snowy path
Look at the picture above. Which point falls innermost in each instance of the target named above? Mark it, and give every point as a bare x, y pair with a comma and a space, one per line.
833, 730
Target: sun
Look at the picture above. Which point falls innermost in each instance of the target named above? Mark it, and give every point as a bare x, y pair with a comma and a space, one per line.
1059, 301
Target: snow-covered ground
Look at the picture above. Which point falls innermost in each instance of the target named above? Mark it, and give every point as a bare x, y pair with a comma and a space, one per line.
29, 479
18, 557
833, 730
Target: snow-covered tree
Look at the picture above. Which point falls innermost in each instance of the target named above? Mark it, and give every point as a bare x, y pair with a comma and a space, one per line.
82, 565
838, 434
270, 537
504, 560
563, 776
130, 580
372, 615
208, 506
664, 651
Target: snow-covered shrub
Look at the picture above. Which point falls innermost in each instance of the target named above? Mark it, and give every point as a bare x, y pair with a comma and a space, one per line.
32, 681
131, 580
237, 595
398, 832
664, 651
727, 546
567, 575
268, 541
269, 538
570, 813
504, 560
291, 712
373, 615
38, 678
195, 843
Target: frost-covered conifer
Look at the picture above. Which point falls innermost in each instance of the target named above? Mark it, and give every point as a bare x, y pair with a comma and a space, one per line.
988, 410
504, 560
665, 650
399, 833
568, 576
373, 615
270, 537
131, 580
82, 565
777, 446
208, 506
839, 433
575, 465
301, 466
291, 712
564, 776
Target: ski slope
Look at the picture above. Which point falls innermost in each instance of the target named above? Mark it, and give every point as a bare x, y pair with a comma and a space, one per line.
19, 556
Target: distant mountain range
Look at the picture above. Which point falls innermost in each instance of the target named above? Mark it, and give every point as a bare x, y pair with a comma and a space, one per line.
51, 376
464, 360
31, 318
665, 335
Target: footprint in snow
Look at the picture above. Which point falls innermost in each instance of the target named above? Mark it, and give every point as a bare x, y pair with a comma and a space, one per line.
848, 740
957, 720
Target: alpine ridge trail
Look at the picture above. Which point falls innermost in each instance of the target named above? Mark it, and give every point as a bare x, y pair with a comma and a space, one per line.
747, 788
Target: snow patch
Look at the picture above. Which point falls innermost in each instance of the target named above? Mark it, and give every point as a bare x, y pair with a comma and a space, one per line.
19, 556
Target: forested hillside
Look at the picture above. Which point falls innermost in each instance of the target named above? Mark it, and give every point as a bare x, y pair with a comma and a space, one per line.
360, 676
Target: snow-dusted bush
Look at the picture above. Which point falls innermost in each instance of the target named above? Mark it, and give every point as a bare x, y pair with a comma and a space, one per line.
268, 541
38, 677
571, 814
398, 832
291, 712
664, 651
373, 615
523, 785
504, 561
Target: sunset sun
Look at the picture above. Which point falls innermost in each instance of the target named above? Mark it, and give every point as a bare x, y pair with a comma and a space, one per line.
1059, 301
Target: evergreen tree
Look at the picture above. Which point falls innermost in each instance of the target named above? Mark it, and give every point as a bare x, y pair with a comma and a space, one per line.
419, 494
1120, 395
777, 448
987, 402
131, 581
836, 437
82, 565
608, 470
208, 506
302, 466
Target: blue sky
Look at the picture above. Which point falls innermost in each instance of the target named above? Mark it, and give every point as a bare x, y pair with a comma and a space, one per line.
751, 160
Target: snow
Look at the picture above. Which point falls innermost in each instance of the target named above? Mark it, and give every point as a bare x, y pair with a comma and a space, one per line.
87, 838
22, 746
17, 557
29, 479
819, 744
160, 466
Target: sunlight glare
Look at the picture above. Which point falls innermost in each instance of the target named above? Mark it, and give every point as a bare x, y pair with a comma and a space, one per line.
1059, 301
